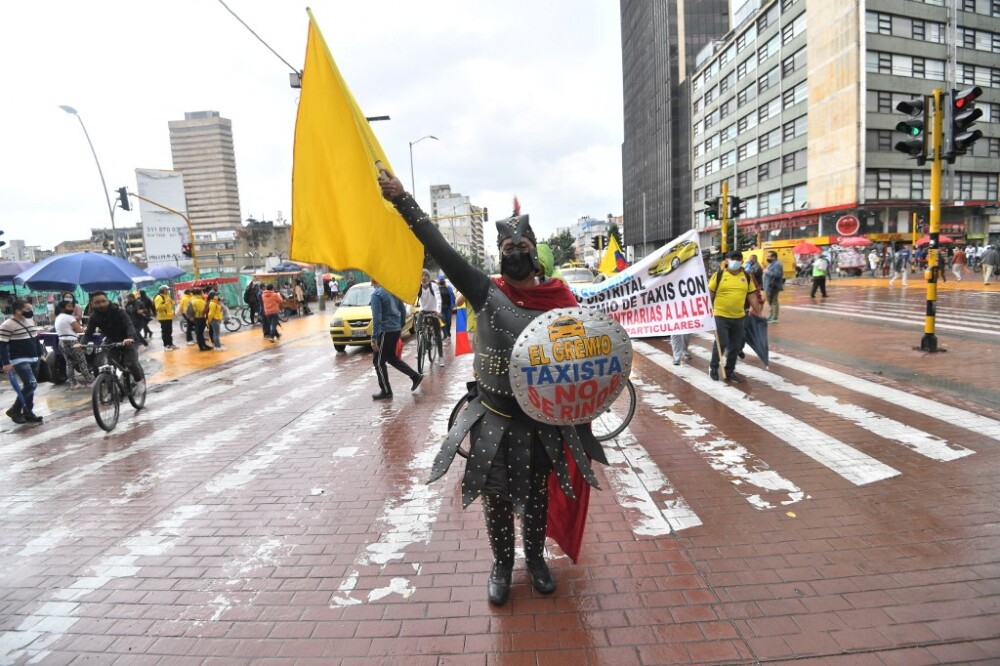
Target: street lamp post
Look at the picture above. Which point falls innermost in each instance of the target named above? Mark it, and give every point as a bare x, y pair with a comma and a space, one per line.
111, 210
413, 185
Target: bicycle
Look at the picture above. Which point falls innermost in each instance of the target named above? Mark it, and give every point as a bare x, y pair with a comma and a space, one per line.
426, 345
231, 321
114, 381
608, 425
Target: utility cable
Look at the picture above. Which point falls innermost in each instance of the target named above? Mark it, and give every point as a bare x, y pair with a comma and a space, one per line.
277, 55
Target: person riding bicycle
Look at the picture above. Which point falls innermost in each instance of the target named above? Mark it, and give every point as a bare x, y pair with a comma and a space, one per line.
517, 465
115, 326
429, 305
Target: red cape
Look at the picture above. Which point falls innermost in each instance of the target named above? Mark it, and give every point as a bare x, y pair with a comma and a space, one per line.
566, 517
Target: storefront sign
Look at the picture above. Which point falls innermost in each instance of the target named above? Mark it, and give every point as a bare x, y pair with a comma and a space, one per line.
569, 365
848, 225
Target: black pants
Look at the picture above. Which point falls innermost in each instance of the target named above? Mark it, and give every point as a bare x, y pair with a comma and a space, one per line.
129, 357
819, 282
199, 333
189, 332
253, 314
167, 332
730, 332
386, 354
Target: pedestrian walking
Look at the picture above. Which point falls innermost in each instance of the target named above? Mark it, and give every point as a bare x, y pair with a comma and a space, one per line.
900, 265
251, 297
163, 305
447, 306
272, 301
198, 312
500, 430
300, 298
150, 310
214, 319
20, 353
731, 288
679, 346
69, 330
820, 272
990, 260
958, 263
335, 291
774, 283
137, 312
388, 314
873, 261
182, 310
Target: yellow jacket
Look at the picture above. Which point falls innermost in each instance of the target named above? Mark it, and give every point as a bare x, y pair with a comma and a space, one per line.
214, 311
199, 306
183, 308
164, 307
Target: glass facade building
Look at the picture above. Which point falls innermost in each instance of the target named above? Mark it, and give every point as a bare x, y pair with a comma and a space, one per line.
795, 110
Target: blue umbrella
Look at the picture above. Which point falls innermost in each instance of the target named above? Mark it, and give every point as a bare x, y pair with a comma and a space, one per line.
88, 270
286, 268
8, 269
165, 272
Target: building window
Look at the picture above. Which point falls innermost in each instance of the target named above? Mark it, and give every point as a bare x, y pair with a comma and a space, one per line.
794, 128
726, 108
768, 49
746, 38
794, 161
994, 147
969, 6
878, 23
917, 185
768, 80
711, 94
879, 141
727, 159
793, 63
768, 170
727, 82
747, 150
768, 18
793, 29
772, 138
746, 95
747, 178
917, 30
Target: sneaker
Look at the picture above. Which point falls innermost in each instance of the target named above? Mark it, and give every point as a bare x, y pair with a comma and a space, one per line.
382, 396
687, 355
733, 378
440, 364
15, 415
190, 343
677, 361
416, 382
220, 348
714, 374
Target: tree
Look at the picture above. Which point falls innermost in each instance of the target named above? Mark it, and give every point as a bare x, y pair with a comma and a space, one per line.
562, 247
613, 230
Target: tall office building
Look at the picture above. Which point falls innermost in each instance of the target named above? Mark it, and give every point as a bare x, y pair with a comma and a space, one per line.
660, 41
460, 222
796, 111
202, 149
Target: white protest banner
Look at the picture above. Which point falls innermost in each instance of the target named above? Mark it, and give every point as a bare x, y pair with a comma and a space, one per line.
665, 293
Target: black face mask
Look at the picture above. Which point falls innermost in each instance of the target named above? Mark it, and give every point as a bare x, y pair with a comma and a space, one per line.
27, 314
517, 265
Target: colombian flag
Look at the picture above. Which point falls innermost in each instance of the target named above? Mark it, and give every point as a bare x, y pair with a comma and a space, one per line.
339, 217
462, 345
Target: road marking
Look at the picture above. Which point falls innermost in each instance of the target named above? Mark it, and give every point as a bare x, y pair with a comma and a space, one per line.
847, 312
744, 470
851, 464
916, 440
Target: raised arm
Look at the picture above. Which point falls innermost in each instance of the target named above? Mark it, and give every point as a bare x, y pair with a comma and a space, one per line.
467, 279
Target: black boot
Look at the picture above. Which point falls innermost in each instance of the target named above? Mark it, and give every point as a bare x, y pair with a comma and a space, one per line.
533, 534
15, 414
30, 417
499, 516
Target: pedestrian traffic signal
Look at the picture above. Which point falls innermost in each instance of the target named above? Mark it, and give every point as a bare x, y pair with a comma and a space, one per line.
186, 249
914, 128
712, 208
123, 197
737, 207
960, 113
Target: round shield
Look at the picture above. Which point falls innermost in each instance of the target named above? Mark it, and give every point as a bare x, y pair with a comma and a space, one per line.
569, 365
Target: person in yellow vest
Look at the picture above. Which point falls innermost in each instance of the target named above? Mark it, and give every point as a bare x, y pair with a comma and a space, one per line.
164, 306
732, 290
214, 319
197, 310
182, 311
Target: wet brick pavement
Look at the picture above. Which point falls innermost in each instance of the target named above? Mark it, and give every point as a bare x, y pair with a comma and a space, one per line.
840, 508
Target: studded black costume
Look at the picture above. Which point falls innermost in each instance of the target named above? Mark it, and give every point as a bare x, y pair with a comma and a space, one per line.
511, 453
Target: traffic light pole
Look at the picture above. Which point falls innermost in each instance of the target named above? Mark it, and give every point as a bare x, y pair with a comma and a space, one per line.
929, 341
724, 212
194, 254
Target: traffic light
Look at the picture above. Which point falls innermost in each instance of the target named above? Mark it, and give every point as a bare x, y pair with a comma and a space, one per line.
914, 128
960, 113
598, 243
123, 197
186, 249
2, 242
737, 208
712, 208
486, 214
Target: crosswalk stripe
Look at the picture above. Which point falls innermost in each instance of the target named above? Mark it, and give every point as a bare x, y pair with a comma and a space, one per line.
752, 477
898, 319
851, 464
635, 478
917, 440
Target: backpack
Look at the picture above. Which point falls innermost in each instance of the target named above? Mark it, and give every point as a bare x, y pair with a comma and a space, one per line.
189, 313
249, 297
445, 297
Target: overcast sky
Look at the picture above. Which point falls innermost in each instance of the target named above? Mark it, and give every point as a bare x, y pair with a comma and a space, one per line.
524, 95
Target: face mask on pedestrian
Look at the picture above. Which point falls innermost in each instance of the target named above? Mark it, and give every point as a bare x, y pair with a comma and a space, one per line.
734, 264
517, 265
27, 314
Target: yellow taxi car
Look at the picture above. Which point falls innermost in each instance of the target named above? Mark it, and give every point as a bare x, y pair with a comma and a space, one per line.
671, 260
578, 276
352, 321
566, 327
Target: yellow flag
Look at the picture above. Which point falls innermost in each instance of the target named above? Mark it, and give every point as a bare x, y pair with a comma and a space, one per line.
339, 217
609, 264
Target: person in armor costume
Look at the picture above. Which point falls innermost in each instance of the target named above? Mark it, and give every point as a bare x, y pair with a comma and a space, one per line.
517, 465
